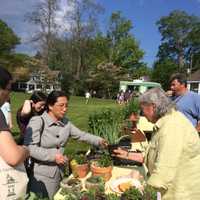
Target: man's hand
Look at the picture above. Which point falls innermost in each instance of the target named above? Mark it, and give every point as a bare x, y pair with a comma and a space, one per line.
198, 127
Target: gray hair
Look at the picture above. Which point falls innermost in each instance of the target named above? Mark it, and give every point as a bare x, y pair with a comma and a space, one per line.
157, 97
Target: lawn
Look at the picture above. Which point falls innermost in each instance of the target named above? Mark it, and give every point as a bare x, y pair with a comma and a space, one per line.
78, 113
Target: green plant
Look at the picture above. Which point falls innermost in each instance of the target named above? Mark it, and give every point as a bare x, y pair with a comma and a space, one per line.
132, 107
95, 179
80, 159
104, 161
94, 194
132, 194
112, 196
106, 124
150, 193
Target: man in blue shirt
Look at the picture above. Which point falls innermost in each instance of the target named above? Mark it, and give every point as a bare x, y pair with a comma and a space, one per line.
186, 101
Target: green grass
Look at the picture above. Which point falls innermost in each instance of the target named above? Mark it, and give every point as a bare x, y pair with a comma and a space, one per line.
78, 113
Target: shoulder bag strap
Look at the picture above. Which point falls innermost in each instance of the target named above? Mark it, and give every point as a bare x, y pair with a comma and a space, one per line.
41, 131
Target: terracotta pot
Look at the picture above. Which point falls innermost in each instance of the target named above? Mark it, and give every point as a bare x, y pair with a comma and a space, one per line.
105, 172
80, 171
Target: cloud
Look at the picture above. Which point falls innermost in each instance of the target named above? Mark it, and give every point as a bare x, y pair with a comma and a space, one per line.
13, 13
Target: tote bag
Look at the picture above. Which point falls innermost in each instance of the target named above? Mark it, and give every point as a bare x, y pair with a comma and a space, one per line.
13, 181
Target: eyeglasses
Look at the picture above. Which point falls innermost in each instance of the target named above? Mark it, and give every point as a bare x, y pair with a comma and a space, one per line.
62, 105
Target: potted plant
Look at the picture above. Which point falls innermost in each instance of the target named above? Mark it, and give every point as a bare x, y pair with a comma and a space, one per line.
79, 166
132, 194
94, 182
94, 194
102, 167
131, 115
106, 124
70, 185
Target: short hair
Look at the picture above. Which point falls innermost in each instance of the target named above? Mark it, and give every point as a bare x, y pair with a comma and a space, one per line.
5, 77
181, 78
157, 97
38, 96
53, 96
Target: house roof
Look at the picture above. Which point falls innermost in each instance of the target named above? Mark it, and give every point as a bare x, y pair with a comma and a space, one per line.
194, 76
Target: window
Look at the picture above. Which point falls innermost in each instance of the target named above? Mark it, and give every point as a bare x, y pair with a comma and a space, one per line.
194, 87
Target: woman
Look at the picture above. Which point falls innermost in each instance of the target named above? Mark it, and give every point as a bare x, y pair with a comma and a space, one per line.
11, 153
34, 106
47, 149
173, 154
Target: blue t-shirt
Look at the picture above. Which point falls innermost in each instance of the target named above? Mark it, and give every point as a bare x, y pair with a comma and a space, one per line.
189, 105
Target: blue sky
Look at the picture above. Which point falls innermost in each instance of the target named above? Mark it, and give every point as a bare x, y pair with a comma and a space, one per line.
142, 13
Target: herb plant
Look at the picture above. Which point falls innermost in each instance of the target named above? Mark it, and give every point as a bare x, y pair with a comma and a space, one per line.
104, 161
107, 124
80, 159
132, 194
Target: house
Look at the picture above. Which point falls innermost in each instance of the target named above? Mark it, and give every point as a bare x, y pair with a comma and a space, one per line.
193, 82
40, 80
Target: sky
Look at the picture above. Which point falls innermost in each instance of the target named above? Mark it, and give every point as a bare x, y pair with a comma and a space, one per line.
143, 13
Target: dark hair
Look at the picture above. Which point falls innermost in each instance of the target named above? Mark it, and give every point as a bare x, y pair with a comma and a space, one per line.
53, 96
181, 78
5, 77
38, 96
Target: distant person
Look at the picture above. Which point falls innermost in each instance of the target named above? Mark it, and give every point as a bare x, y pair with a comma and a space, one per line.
47, 148
187, 102
10, 152
87, 97
32, 107
127, 96
94, 93
6, 109
120, 97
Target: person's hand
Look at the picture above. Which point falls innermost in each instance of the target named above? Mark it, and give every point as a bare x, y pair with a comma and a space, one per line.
198, 127
60, 159
103, 143
120, 153
135, 174
26, 109
135, 130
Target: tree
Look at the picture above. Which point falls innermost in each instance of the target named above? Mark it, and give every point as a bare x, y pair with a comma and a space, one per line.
124, 49
162, 72
8, 39
83, 26
44, 17
175, 30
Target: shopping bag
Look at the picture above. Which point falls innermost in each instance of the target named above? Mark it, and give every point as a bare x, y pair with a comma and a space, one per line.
13, 181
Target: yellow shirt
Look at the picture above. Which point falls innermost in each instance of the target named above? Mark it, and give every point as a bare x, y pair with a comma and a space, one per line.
173, 158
